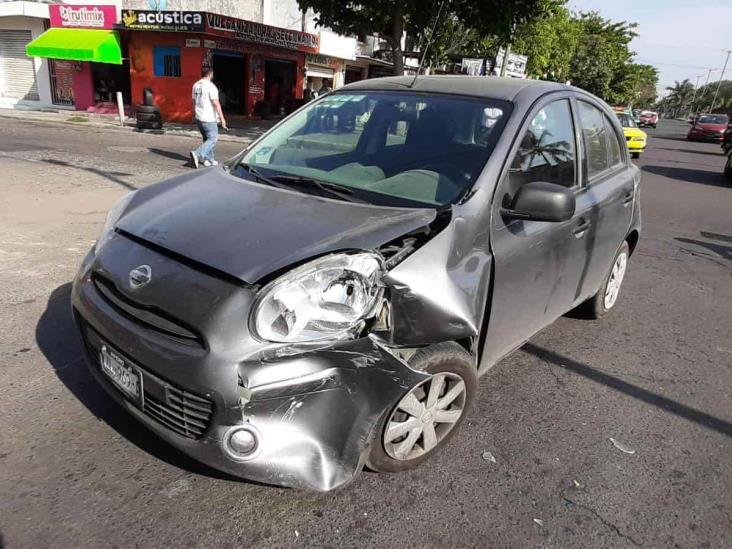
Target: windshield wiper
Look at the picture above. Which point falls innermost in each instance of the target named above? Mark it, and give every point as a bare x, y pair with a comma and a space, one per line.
334, 189
286, 180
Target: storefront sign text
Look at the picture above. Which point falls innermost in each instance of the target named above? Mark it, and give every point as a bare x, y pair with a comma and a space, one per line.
323, 60
262, 34
181, 21
82, 17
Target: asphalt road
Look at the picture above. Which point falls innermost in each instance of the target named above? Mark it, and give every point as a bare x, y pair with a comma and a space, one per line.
655, 375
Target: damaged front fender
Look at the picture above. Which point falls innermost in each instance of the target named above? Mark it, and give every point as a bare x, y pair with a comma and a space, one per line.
318, 410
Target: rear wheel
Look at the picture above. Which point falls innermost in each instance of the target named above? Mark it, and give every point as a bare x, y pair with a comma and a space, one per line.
425, 419
605, 299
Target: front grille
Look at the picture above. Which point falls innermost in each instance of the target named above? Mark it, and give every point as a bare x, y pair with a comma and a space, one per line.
149, 317
185, 413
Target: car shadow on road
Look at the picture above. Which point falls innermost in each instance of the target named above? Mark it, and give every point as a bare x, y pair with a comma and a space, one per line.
717, 152
60, 344
721, 249
688, 175
677, 408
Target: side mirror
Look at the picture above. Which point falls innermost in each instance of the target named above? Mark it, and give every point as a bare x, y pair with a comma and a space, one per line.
541, 201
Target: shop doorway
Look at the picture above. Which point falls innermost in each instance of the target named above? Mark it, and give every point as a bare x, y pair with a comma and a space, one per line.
353, 74
279, 86
109, 79
229, 77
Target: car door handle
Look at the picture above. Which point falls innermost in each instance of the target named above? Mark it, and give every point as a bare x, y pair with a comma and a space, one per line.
628, 198
581, 227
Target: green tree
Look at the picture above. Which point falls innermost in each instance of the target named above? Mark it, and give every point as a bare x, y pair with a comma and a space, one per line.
390, 19
679, 96
599, 63
549, 42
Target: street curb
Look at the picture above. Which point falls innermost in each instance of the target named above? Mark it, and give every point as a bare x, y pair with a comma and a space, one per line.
96, 122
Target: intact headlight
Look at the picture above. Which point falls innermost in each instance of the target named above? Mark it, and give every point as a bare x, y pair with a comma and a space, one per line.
328, 298
112, 217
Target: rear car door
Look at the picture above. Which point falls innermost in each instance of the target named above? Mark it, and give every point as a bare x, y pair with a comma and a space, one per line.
537, 264
610, 183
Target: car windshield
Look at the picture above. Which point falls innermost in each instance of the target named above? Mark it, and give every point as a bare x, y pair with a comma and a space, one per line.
712, 119
626, 121
390, 148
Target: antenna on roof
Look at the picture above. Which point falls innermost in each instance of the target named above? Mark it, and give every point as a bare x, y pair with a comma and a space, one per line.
428, 44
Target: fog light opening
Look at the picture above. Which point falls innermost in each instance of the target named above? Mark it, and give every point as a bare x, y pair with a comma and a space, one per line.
242, 442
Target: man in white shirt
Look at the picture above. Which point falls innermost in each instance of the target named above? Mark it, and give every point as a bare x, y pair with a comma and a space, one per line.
208, 114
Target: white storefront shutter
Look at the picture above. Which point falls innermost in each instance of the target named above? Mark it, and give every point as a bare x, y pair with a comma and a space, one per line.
17, 70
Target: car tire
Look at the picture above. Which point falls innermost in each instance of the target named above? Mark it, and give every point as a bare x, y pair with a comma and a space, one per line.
635, 155
598, 305
153, 125
147, 109
148, 117
450, 365
148, 97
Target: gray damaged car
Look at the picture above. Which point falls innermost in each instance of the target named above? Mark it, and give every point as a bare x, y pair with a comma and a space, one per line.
328, 299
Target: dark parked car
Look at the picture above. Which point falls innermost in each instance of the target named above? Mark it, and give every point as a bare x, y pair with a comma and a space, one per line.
708, 127
329, 298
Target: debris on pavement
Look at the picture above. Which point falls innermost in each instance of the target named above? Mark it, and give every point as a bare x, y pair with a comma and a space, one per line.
622, 447
539, 522
487, 456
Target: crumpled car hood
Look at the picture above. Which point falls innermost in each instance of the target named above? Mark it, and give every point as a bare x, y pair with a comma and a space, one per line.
249, 230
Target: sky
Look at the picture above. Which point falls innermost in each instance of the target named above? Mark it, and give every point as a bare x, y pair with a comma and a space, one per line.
682, 39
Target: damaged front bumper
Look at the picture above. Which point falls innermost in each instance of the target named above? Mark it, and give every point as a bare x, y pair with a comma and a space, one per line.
314, 409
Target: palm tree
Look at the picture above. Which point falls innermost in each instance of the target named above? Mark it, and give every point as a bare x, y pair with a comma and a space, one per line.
680, 94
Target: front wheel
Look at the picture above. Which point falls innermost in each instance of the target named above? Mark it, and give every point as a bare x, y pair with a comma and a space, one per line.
605, 299
429, 415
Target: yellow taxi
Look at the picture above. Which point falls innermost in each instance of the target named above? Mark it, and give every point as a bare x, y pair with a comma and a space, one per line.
634, 137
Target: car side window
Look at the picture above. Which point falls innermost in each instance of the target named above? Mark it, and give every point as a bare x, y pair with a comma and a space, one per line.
615, 157
595, 137
547, 151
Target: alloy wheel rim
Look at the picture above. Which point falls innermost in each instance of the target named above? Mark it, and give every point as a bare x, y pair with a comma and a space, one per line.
616, 279
425, 416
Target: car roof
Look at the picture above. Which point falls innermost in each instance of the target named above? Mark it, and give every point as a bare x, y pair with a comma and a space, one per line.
493, 87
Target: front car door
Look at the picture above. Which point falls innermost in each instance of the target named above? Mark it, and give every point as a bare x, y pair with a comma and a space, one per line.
537, 265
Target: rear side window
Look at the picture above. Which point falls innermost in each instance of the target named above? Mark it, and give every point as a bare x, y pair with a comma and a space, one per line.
595, 136
614, 155
547, 151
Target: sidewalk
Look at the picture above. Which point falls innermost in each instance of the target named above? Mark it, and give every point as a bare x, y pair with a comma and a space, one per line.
245, 129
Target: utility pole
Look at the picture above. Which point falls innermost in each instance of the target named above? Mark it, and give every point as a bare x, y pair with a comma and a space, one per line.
721, 76
693, 97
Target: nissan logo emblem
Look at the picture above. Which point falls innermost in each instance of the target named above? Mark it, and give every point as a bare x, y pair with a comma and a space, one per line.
139, 276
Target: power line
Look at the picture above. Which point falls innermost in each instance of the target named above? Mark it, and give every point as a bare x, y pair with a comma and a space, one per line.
676, 65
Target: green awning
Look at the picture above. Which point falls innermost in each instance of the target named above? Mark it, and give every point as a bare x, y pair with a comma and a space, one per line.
100, 46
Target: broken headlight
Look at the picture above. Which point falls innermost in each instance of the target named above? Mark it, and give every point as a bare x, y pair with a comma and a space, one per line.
328, 298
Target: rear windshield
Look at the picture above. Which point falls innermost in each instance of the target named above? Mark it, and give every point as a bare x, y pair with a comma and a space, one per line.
626, 121
385, 147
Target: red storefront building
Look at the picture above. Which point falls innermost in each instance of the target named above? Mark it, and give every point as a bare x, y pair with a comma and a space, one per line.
259, 69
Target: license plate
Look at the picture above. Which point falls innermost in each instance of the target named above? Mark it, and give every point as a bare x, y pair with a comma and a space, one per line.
123, 376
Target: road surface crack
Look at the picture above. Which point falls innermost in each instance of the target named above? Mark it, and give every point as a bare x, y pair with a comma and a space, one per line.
604, 521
